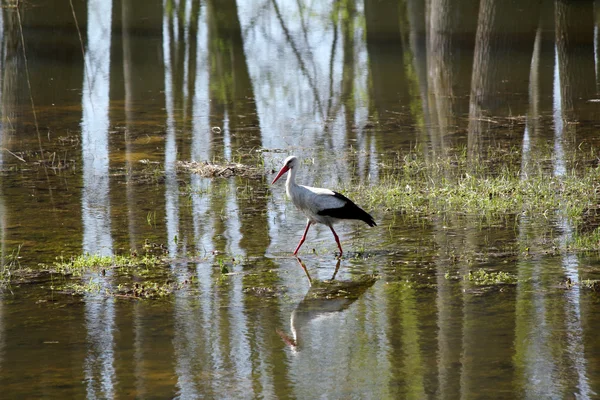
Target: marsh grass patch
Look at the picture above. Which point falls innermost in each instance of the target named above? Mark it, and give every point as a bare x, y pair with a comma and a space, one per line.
490, 188
88, 263
482, 277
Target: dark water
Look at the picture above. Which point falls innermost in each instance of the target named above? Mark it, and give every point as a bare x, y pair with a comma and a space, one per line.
346, 87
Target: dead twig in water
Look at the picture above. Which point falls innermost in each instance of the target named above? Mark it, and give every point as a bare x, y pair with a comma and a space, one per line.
13, 154
35, 120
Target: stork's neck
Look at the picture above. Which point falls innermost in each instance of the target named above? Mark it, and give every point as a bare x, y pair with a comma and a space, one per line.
291, 181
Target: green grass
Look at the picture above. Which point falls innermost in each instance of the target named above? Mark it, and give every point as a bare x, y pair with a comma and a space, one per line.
151, 282
78, 265
486, 278
490, 188
11, 262
145, 290
585, 241
451, 184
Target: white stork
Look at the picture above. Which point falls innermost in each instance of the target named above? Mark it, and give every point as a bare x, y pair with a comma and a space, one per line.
321, 206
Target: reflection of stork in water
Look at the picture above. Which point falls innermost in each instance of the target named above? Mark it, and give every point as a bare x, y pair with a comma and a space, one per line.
322, 300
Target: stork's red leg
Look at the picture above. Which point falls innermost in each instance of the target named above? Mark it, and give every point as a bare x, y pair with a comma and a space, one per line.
337, 240
308, 223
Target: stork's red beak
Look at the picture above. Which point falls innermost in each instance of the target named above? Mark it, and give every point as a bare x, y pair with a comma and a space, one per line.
282, 171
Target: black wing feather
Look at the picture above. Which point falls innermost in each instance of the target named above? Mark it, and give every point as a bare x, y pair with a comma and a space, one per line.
348, 211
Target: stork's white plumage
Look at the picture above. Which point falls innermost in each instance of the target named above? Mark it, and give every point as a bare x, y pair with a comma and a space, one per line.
321, 206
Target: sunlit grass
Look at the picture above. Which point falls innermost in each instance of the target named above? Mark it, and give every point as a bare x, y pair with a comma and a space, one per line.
10, 262
486, 278
145, 290
490, 189
83, 263
451, 185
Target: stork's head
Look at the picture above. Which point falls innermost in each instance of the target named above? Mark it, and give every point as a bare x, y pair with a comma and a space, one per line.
290, 163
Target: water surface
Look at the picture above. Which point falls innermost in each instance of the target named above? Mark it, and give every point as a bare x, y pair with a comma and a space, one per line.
101, 101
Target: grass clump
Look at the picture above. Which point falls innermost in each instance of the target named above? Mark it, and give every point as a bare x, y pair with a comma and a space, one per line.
121, 276
585, 240
11, 262
491, 188
590, 284
96, 263
140, 290
453, 184
486, 278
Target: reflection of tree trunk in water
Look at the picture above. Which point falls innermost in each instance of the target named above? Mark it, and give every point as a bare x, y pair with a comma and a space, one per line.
232, 91
178, 53
386, 73
540, 87
129, 327
301, 63
445, 69
141, 70
449, 310
192, 43
230, 79
183, 51
533, 123
126, 14
501, 64
483, 74
417, 41
405, 354
10, 69
597, 43
487, 328
574, 43
348, 13
217, 92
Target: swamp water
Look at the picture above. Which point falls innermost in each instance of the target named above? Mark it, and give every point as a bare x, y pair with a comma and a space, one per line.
464, 128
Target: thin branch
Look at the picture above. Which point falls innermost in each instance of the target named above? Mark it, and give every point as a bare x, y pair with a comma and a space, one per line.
303, 68
35, 120
89, 82
13, 154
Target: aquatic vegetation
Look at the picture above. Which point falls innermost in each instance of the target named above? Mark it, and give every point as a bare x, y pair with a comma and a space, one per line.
144, 290
585, 240
491, 189
80, 264
487, 278
11, 262
446, 185
152, 172
590, 284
